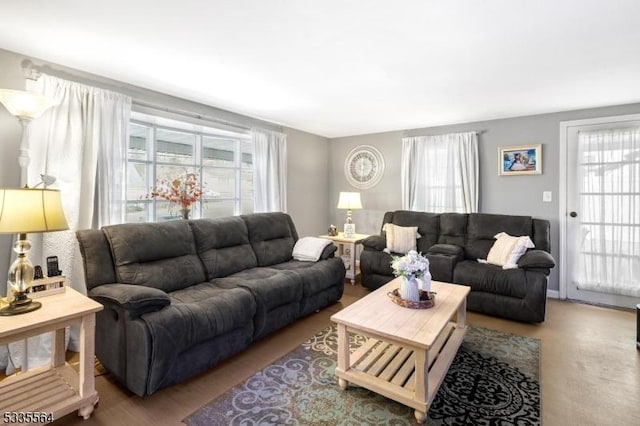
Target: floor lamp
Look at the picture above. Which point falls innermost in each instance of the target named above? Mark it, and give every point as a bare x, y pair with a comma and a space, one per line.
26, 106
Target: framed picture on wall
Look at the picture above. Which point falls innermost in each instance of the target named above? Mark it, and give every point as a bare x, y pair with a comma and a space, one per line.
520, 160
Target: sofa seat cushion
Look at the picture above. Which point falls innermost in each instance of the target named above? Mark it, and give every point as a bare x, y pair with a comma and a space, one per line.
318, 281
491, 279
277, 293
199, 313
271, 287
315, 277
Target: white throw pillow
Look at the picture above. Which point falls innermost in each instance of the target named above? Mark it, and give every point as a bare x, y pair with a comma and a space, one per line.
401, 239
507, 250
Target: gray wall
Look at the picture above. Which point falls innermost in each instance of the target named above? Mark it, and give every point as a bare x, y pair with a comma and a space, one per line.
308, 155
307, 183
516, 195
383, 197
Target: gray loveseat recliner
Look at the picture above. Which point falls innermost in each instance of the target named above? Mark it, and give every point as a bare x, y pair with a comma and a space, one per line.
182, 296
453, 242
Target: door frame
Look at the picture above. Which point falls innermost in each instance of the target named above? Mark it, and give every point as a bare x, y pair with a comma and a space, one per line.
565, 128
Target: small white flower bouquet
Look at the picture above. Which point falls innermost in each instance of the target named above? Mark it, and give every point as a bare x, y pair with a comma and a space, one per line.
413, 267
412, 264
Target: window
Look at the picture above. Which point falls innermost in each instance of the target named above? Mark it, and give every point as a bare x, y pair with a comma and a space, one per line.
162, 149
440, 173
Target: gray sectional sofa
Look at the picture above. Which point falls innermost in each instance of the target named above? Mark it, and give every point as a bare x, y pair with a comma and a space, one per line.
453, 243
181, 296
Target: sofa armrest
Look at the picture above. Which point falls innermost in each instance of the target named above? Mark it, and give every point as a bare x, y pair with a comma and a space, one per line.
375, 242
328, 252
134, 299
442, 261
536, 259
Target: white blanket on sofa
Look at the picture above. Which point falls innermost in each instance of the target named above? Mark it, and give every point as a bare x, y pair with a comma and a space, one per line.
309, 249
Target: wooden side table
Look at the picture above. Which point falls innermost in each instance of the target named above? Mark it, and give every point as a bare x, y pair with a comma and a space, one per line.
347, 251
50, 392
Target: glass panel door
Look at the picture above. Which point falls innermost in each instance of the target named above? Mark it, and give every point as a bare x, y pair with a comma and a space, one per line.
603, 224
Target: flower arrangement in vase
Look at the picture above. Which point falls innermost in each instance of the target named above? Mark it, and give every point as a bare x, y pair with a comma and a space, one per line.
412, 267
181, 191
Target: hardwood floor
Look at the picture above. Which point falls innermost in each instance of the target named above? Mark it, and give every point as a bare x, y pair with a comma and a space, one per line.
590, 369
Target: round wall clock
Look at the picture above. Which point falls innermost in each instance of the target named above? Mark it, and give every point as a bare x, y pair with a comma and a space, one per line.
364, 167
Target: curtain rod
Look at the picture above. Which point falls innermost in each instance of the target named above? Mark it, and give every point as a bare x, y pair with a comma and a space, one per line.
407, 133
190, 114
33, 72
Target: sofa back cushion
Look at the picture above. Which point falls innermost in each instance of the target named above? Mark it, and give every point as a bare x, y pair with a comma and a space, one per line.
159, 255
223, 246
453, 229
272, 237
428, 226
482, 228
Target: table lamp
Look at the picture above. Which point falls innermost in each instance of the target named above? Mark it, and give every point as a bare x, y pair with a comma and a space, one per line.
24, 211
349, 201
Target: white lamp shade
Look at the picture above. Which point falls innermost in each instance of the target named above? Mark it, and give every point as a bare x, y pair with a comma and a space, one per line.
25, 105
26, 210
349, 201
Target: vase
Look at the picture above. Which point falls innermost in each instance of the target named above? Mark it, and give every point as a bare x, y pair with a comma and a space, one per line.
426, 281
185, 213
409, 289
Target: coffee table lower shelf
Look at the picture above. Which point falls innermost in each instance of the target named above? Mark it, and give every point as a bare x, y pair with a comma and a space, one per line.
406, 374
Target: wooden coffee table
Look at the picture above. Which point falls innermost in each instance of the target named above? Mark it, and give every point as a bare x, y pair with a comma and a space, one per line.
408, 351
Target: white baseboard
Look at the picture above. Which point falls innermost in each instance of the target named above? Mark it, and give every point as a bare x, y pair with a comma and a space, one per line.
553, 294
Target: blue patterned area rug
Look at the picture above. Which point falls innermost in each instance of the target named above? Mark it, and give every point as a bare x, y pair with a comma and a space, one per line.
493, 380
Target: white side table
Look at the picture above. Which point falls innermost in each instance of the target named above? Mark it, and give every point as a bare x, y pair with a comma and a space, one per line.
347, 251
44, 394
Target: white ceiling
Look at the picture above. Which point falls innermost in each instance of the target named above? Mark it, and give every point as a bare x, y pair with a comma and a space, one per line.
338, 68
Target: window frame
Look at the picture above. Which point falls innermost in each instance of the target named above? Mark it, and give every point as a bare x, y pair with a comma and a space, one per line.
151, 163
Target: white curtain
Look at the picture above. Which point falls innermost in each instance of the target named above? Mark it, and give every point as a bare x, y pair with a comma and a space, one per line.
269, 171
440, 173
609, 203
82, 142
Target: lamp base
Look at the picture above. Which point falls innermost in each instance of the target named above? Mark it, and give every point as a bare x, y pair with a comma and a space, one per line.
20, 305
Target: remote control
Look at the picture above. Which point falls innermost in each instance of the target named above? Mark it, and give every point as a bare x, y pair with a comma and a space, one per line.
52, 266
37, 272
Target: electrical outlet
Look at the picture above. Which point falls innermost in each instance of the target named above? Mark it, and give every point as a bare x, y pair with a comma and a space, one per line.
546, 196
